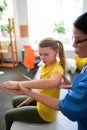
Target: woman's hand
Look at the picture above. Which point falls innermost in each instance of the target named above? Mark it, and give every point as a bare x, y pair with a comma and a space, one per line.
25, 90
66, 84
19, 92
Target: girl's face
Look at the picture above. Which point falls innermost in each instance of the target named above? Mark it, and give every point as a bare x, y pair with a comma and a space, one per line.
47, 55
80, 43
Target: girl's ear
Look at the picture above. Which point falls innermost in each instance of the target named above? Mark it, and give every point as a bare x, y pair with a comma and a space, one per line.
57, 51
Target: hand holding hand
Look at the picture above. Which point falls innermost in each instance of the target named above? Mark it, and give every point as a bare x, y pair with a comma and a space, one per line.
25, 90
66, 84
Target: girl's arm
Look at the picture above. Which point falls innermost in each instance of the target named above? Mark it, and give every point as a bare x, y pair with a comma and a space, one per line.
52, 82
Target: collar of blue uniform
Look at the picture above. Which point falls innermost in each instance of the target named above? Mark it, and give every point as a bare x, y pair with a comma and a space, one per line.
84, 68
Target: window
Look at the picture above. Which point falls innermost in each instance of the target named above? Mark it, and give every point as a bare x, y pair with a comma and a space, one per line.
9, 10
43, 14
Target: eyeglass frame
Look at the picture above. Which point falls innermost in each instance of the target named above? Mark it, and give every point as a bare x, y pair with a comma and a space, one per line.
79, 41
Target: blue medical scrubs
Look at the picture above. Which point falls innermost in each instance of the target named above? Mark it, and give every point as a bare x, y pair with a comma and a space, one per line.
74, 105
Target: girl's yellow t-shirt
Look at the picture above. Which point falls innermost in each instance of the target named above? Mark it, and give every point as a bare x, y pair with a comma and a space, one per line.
45, 112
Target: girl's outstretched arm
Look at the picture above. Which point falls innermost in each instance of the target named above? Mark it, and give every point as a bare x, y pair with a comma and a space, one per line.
49, 83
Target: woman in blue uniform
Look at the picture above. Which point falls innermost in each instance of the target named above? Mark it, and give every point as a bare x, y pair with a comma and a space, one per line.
74, 104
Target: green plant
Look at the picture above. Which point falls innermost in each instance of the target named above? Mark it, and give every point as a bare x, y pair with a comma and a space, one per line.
59, 27
10, 28
3, 6
7, 28
4, 27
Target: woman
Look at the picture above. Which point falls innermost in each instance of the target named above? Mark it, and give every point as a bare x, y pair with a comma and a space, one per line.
74, 104
27, 109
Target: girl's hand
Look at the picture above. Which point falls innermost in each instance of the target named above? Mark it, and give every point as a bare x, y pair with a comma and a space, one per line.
10, 85
66, 84
25, 102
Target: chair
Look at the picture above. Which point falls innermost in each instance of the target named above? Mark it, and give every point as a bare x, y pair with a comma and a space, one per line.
30, 60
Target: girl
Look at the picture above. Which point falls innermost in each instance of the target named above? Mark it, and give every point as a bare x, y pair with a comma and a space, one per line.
26, 108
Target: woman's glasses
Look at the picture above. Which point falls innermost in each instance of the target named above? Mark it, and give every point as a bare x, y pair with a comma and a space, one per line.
78, 41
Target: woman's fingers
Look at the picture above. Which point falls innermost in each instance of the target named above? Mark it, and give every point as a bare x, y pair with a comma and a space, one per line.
3, 86
25, 90
66, 81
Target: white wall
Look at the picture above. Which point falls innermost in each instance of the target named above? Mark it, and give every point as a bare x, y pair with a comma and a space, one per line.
21, 17
84, 5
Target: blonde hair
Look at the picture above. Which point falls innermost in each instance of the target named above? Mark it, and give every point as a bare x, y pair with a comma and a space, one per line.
55, 44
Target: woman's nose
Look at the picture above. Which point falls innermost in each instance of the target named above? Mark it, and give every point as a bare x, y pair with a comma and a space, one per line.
74, 45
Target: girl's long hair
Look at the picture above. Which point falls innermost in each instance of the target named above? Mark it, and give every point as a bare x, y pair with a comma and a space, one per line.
55, 44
